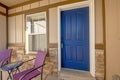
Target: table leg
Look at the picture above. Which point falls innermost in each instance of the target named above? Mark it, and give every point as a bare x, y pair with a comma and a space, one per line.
0, 75
9, 75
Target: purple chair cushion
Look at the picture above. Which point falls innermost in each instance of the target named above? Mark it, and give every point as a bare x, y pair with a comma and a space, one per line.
5, 55
39, 61
40, 57
29, 76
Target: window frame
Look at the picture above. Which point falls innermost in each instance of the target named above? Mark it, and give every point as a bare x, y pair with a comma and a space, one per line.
27, 51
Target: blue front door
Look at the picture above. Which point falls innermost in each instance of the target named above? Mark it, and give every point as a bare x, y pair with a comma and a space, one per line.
75, 38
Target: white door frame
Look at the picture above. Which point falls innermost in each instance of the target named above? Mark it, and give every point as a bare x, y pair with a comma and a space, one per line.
90, 4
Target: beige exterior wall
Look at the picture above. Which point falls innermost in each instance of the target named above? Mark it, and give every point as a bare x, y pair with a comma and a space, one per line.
112, 37
3, 40
16, 26
44, 2
19, 30
18, 9
2, 9
34, 5
54, 1
3, 31
11, 11
99, 23
11, 29
53, 23
53, 30
16, 29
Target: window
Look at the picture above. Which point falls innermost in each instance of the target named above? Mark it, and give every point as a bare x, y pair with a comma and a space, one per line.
36, 38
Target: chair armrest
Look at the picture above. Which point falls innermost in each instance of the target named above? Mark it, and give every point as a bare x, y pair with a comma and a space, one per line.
31, 71
28, 60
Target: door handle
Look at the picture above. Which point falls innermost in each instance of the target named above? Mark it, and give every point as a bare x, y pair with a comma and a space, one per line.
62, 45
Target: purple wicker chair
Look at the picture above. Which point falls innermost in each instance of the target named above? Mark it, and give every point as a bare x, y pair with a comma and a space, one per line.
36, 70
5, 56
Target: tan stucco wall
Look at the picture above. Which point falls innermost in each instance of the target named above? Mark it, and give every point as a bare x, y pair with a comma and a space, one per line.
98, 22
53, 23
112, 37
11, 29
3, 42
3, 28
16, 25
16, 29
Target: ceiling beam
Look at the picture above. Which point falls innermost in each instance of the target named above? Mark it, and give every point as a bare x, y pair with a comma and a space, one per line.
3, 5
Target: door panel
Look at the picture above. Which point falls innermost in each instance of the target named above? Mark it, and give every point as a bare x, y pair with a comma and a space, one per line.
75, 38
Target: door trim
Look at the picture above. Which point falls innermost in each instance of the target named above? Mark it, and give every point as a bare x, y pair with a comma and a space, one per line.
90, 4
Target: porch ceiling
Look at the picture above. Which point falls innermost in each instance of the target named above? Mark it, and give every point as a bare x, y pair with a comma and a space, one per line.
10, 3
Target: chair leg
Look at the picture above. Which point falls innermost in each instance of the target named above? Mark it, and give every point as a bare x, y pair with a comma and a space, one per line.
18, 69
41, 76
1, 74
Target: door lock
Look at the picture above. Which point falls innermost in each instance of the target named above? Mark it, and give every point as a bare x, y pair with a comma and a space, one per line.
61, 45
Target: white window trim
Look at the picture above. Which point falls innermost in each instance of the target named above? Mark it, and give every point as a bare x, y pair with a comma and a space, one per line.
27, 45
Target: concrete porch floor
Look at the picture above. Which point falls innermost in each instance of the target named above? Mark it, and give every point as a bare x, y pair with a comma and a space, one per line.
69, 74
65, 74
